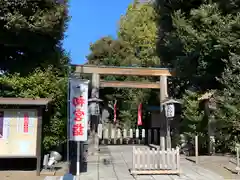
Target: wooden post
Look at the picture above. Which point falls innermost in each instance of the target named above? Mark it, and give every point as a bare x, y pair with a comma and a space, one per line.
163, 96
113, 135
39, 141
125, 136
137, 136
211, 137
237, 149
238, 163
196, 149
119, 136
143, 136
131, 135
106, 136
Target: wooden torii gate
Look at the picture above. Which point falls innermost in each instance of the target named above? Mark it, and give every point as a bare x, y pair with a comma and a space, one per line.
162, 73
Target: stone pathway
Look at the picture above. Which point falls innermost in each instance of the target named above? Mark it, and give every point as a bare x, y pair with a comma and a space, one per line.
114, 162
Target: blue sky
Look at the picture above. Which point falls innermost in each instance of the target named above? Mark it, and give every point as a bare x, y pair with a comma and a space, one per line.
91, 20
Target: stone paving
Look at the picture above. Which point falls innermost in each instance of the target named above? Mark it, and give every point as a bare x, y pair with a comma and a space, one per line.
114, 162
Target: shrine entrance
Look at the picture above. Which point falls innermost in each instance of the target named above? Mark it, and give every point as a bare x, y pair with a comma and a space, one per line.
97, 83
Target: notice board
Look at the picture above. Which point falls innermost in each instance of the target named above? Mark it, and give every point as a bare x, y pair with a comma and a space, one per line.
18, 132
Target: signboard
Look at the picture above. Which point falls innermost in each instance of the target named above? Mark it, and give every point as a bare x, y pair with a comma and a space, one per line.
18, 132
78, 119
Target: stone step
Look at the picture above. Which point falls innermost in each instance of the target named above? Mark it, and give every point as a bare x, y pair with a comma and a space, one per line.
48, 172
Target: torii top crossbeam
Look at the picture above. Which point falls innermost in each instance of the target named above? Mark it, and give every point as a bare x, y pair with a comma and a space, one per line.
163, 73
134, 71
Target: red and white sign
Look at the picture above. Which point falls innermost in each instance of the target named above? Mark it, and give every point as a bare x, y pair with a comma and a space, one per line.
25, 122
139, 122
115, 112
78, 109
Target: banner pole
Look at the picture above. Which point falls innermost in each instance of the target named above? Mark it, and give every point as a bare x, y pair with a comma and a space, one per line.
68, 117
78, 158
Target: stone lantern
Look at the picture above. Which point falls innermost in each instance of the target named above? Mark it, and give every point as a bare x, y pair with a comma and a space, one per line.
94, 112
169, 106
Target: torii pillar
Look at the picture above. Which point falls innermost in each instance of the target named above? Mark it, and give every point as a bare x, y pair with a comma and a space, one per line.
163, 124
95, 123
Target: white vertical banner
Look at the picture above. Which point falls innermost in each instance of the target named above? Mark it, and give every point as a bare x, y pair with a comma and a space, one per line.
78, 109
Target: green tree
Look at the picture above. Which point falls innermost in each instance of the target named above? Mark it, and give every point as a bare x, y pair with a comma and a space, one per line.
31, 34
194, 120
192, 115
135, 46
228, 112
109, 51
194, 41
138, 28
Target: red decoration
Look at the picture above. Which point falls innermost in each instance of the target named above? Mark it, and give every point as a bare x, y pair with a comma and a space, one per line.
79, 114
25, 123
77, 129
139, 122
78, 101
115, 112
